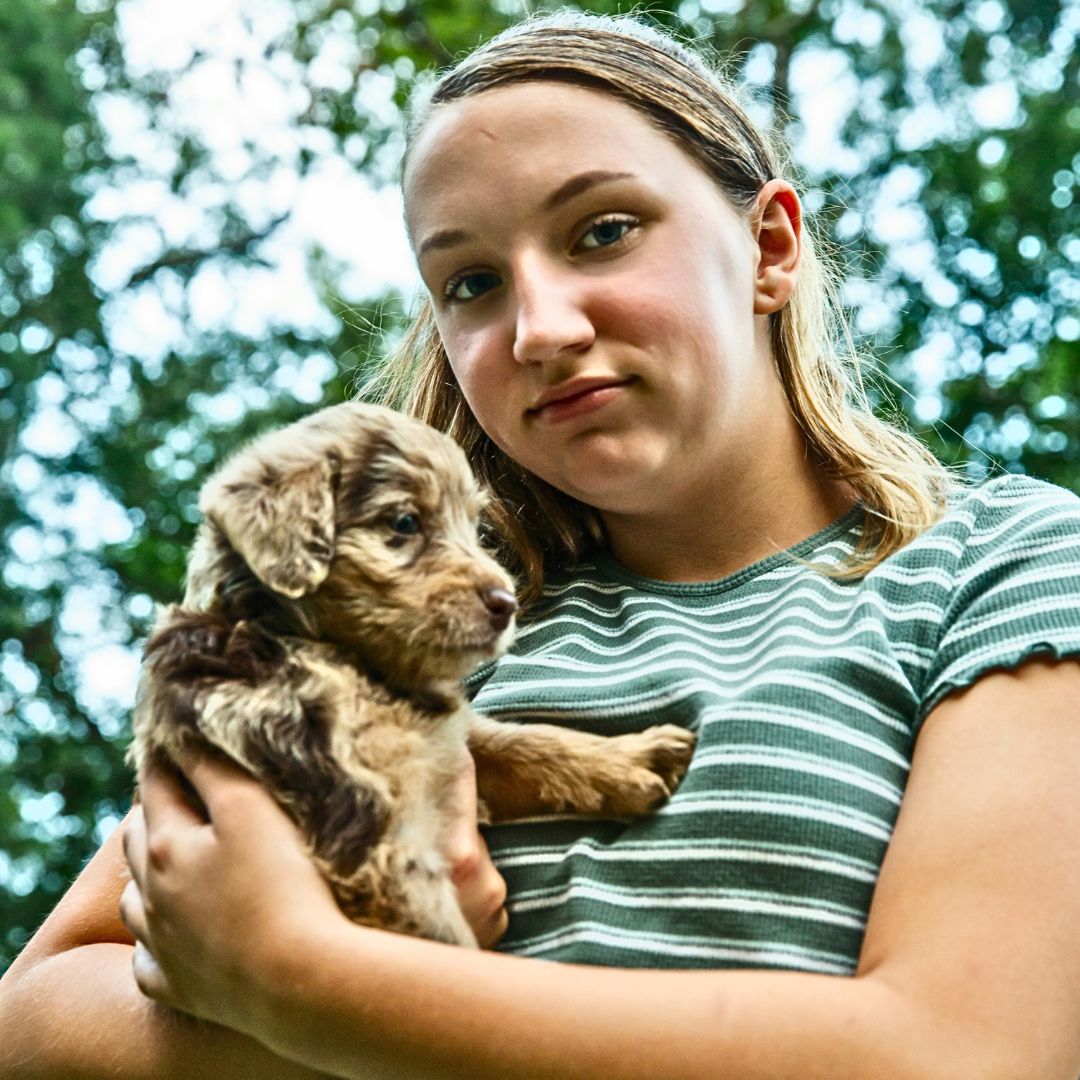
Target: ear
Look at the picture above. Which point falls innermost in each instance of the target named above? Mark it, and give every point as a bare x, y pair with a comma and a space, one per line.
280, 522
778, 232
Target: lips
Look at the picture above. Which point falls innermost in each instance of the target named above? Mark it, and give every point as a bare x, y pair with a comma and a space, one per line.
582, 393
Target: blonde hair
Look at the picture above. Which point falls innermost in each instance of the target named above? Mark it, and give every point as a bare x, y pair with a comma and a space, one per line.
902, 487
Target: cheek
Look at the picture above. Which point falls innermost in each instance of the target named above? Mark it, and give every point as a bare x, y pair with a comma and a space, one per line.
481, 366
688, 317
662, 317
654, 299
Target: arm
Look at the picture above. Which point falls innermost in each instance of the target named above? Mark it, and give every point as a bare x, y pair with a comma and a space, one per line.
971, 963
70, 1009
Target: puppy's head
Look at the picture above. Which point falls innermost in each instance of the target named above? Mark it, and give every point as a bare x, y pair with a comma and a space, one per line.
362, 525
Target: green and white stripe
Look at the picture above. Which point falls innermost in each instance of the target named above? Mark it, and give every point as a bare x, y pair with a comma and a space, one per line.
807, 694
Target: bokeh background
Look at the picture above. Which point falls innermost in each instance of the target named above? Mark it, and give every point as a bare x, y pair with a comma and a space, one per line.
200, 237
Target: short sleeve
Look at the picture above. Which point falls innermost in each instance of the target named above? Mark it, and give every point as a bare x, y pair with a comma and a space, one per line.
1016, 592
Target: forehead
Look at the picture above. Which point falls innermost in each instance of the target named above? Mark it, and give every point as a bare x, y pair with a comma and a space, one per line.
532, 132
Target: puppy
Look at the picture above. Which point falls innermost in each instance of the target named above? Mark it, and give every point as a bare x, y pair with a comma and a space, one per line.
337, 594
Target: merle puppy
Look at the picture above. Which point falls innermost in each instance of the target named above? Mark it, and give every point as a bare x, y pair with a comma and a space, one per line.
337, 594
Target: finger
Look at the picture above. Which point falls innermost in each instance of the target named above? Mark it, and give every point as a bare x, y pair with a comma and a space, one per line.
460, 840
485, 908
165, 797
225, 789
492, 932
149, 977
461, 848
481, 892
133, 913
134, 843
466, 790
491, 885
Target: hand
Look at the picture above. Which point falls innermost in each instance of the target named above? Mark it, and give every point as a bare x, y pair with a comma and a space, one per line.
222, 898
481, 890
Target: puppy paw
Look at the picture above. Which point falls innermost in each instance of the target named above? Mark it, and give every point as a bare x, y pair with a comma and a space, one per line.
667, 750
654, 761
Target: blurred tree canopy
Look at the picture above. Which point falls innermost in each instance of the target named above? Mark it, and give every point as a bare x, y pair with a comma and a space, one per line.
159, 299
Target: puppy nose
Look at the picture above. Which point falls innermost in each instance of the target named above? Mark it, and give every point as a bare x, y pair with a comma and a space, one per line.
501, 606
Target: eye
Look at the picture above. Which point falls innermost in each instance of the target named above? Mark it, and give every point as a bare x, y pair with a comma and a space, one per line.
405, 524
468, 286
607, 231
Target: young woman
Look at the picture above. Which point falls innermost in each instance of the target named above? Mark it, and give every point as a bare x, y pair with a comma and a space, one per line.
870, 869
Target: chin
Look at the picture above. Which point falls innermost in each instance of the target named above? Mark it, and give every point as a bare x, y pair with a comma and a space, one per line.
612, 472
626, 491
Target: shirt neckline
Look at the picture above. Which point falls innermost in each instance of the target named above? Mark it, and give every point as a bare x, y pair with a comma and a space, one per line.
803, 550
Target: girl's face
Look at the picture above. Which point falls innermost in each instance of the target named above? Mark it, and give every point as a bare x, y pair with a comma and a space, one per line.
603, 306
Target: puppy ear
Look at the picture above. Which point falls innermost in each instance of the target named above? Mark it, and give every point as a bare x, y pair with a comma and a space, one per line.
281, 523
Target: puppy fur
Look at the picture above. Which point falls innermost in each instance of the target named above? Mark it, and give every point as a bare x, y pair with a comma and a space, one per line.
337, 594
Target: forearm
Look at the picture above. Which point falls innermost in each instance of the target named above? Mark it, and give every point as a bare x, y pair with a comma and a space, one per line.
77, 1015
466, 1014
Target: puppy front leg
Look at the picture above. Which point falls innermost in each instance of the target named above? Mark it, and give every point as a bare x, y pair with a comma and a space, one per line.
527, 769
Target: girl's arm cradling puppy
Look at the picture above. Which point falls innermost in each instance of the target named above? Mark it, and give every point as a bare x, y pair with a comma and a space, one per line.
941, 991
70, 1009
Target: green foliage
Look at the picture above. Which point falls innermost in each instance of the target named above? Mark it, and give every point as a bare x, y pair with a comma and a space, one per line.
963, 212
46, 140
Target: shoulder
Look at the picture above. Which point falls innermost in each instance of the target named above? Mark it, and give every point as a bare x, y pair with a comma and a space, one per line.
1008, 505
1017, 523
1012, 555
1003, 519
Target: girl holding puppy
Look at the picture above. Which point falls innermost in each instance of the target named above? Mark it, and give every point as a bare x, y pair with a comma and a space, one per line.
870, 869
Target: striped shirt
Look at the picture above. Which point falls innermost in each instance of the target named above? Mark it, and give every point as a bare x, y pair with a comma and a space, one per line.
807, 694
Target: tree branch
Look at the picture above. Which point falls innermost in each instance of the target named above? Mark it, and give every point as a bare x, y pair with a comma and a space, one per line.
186, 258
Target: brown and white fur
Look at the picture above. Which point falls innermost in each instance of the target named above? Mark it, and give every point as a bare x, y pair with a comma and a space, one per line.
337, 594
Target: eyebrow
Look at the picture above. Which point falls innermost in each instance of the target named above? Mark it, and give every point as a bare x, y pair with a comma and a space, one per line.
573, 187
582, 182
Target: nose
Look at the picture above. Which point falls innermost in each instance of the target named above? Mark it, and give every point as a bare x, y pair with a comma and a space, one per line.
551, 318
501, 607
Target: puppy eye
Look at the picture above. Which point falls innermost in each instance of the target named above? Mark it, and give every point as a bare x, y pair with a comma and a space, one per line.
406, 524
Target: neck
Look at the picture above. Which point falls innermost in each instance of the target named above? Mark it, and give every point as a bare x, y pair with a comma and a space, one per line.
718, 526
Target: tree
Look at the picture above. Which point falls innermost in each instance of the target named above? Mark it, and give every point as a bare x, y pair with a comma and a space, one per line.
160, 300
47, 139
